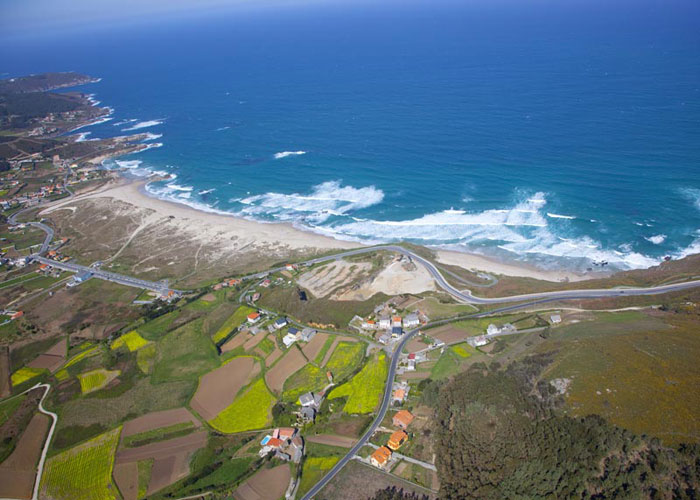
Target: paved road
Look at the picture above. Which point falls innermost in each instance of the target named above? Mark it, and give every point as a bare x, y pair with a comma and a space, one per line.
467, 297
154, 286
386, 399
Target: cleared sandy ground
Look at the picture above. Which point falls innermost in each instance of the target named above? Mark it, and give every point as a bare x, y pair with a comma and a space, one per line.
474, 262
332, 440
323, 280
395, 279
17, 472
267, 484
52, 359
448, 334
217, 389
127, 478
290, 363
158, 419
312, 349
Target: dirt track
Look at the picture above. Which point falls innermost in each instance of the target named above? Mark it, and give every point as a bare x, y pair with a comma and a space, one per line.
290, 363
266, 484
158, 419
18, 470
217, 389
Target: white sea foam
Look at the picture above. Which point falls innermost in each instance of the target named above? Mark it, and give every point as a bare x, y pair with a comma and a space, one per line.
284, 154
124, 122
692, 195
82, 136
128, 163
176, 187
206, 191
144, 124
325, 200
559, 216
657, 239
221, 129
152, 137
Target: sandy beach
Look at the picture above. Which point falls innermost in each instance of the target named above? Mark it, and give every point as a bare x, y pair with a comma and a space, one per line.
229, 235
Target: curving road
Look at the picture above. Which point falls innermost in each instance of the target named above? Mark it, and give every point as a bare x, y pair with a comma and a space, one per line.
468, 298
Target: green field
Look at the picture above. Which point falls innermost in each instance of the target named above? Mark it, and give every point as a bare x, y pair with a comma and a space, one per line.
346, 358
26, 373
364, 391
91, 351
145, 357
451, 361
160, 434
322, 353
234, 321
266, 346
184, 354
9, 406
95, 379
156, 328
313, 470
132, 340
83, 472
247, 412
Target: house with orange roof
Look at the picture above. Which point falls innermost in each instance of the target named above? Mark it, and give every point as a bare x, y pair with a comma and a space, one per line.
402, 419
396, 440
380, 457
17, 315
253, 317
396, 321
399, 395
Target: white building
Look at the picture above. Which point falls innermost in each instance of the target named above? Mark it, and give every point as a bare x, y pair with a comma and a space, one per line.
555, 319
411, 320
385, 322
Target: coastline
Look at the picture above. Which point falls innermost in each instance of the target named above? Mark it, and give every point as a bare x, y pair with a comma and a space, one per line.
217, 229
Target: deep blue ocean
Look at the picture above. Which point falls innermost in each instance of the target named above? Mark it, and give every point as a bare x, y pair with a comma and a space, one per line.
555, 132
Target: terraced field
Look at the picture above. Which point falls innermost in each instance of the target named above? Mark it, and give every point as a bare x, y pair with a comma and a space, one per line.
83, 472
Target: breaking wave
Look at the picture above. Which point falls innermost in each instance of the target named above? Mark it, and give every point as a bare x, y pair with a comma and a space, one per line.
284, 154
325, 200
144, 124
656, 240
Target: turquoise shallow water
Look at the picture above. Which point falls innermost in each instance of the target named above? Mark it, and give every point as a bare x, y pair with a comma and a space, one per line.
561, 135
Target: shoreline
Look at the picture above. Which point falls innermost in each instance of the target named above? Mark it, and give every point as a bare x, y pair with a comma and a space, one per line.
216, 228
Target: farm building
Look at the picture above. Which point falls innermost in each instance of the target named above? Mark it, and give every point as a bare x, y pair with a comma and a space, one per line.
411, 320
307, 334
402, 419
397, 439
280, 322
555, 319
478, 341
310, 399
380, 457
385, 338
385, 323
